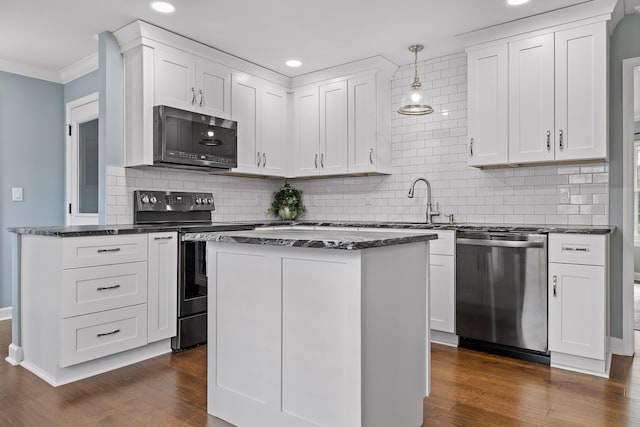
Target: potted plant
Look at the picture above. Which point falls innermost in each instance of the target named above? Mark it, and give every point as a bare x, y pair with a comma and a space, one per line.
287, 202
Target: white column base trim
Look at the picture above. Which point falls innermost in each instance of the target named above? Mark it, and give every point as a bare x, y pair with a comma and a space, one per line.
16, 355
617, 347
5, 313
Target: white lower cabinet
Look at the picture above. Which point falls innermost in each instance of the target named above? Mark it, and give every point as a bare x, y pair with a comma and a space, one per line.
578, 301
309, 337
95, 303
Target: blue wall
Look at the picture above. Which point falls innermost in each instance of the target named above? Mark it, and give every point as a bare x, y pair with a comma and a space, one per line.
32, 156
32, 152
624, 44
82, 86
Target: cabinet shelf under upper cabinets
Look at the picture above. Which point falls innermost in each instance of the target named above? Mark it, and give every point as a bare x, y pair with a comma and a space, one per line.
539, 97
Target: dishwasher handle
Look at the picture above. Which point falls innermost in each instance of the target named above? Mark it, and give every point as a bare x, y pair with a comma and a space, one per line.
501, 243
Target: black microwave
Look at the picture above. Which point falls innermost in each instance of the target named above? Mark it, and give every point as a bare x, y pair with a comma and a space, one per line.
185, 139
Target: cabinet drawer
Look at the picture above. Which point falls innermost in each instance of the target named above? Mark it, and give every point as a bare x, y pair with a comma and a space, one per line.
92, 289
446, 243
96, 335
103, 250
586, 249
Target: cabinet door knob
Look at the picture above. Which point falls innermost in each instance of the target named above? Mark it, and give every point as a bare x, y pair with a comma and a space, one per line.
322, 160
201, 97
555, 286
264, 160
193, 96
259, 159
471, 147
561, 139
371, 155
548, 140
315, 160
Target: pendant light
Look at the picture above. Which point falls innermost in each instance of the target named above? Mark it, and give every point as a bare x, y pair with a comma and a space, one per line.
414, 104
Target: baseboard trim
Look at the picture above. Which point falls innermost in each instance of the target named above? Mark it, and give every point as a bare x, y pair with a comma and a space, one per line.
5, 313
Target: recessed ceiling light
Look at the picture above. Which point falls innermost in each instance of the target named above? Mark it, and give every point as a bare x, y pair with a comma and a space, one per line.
516, 2
293, 63
162, 7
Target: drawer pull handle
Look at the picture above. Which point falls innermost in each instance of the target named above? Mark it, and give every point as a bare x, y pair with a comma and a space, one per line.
163, 238
555, 286
108, 250
106, 288
572, 249
108, 333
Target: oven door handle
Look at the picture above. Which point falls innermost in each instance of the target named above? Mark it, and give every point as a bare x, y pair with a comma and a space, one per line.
501, 243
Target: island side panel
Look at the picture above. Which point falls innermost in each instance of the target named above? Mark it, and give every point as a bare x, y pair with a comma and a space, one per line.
244, 328
395, 336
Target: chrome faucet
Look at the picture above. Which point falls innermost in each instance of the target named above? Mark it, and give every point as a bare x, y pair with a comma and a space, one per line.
430, 213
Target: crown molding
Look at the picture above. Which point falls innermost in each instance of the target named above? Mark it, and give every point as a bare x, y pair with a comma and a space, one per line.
79, 69
30, 71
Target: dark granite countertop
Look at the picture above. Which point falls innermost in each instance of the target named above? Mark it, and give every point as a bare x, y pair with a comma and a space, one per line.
324, 239
95, 230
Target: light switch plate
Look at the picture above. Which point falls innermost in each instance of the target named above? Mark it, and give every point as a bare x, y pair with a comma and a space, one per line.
16, 194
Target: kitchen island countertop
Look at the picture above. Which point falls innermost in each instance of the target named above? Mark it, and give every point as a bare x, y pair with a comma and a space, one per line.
327, 239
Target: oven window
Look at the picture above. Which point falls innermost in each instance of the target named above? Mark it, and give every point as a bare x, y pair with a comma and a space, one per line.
195, 272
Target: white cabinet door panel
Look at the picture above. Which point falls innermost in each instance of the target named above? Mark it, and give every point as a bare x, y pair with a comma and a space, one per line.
162, 305
273, 130
213, 85
531, 100
306, 138
362, 124
581, 92
175, 84
333, 128
443, 287
577, 310
245, 98
487, 103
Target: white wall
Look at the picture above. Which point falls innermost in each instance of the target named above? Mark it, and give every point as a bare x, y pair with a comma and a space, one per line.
432, 146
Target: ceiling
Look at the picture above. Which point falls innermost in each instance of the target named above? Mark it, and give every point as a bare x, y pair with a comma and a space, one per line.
54, 34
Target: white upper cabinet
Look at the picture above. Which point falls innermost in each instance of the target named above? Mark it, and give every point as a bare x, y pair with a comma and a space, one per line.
343, 126
260, 109
551, 105
581, 92
488, 116
339, 123
531, 100
191, 83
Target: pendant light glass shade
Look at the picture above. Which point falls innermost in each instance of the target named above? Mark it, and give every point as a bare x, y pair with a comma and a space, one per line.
413, 103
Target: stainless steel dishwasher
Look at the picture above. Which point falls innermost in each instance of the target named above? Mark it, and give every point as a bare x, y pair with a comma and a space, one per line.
501, 293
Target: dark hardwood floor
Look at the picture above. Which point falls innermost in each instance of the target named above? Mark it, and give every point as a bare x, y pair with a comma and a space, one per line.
467, 389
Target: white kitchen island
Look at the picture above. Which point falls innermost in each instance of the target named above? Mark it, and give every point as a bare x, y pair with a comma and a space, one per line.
317, 328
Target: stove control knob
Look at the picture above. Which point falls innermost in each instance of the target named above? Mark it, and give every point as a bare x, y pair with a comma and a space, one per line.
198, 200
210, 201
153, 200
145, 199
